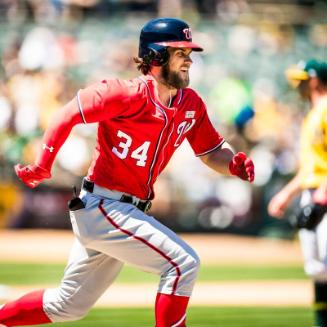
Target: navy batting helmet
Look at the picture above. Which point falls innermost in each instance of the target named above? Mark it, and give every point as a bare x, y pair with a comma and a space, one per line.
160, 33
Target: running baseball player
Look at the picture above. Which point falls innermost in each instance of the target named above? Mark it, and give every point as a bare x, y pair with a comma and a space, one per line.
310, 79
141, 122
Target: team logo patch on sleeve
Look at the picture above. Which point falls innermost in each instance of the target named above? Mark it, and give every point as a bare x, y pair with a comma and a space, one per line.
182, 129
45, 147
189, 114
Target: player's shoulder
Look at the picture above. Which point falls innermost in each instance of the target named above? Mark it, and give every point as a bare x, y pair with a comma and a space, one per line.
117, 83
191, 93
192, 96
128, 87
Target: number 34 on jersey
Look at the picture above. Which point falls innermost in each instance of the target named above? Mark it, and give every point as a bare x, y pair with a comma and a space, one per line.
123, 149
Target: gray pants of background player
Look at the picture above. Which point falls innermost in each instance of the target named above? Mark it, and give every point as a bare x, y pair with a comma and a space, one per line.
314, 248
314, 245
108, 234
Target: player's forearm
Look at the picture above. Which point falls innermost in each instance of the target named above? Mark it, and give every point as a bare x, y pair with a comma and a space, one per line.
293, 188
219, 160
57, 133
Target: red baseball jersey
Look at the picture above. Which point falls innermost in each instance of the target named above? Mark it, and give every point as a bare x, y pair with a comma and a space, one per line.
137, 135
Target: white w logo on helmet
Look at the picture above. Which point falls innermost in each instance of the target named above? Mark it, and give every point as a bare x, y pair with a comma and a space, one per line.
188, 33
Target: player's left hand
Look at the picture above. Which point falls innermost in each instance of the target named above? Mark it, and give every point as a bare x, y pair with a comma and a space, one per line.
320, 195
31, 175
242, 166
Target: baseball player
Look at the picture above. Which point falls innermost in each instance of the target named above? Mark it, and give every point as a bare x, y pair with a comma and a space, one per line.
141, 122
310, 79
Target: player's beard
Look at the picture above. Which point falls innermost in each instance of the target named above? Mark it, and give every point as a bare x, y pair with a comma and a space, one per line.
173, 79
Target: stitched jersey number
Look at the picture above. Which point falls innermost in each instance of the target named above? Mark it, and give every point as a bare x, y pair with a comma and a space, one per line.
123, 145
140, 154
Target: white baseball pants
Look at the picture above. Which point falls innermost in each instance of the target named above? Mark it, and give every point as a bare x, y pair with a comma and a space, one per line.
314, 246
108, 234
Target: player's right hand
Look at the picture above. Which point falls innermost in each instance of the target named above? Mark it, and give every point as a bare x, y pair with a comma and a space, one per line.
278, 205
31, 175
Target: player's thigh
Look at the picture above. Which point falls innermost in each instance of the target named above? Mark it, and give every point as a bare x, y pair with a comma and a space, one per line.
140, 240
87, 275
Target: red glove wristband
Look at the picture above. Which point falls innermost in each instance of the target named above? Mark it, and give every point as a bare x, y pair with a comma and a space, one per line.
242, 166
31, 175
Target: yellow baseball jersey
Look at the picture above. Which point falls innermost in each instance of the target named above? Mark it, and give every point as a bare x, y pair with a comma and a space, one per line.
313, 147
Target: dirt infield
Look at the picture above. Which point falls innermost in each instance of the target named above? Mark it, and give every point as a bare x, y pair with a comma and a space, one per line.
53, 246
260, 293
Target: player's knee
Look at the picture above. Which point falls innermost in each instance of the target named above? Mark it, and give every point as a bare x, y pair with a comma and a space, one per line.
62, 305
189, 267
188, 274
180, 277
185, 265
316, 270
193, 266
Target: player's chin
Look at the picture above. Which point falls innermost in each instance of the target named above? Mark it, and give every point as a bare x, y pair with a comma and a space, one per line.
184, 78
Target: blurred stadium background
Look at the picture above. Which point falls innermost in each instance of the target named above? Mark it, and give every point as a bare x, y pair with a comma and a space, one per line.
51, 48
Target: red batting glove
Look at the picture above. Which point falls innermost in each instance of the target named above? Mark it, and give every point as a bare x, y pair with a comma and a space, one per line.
242, 166
31, 175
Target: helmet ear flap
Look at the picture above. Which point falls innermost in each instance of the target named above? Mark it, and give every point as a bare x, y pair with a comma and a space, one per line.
157, 55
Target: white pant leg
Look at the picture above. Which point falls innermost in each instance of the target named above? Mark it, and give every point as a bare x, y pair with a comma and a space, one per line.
314, 247
87, 275
122, 231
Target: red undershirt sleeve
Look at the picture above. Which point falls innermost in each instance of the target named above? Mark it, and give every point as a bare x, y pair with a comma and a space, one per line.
57, 132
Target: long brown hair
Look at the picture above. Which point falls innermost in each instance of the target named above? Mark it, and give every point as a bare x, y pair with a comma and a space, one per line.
142, 66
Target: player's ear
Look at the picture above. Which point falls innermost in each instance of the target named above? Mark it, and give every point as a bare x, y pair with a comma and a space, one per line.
314, 83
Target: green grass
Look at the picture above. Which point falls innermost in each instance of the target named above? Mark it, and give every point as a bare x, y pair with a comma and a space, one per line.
224, 273
28, 274
201, 317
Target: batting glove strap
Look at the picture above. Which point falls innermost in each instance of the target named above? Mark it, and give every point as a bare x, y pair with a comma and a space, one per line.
31, 175
242, 166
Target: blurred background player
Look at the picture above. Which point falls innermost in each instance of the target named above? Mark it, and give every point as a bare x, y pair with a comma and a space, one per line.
310, 79
141, 123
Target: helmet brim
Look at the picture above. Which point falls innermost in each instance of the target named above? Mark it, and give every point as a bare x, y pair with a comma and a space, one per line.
296, 75
181, 44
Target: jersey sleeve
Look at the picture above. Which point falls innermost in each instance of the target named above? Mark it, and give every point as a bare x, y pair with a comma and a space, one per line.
102, 101
203, 137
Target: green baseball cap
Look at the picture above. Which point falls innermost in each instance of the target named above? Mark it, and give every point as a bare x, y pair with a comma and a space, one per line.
305, 70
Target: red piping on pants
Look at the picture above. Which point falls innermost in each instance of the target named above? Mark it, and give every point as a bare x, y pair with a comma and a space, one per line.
127, 232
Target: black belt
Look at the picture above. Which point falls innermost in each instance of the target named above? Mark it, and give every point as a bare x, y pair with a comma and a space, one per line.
142, 205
